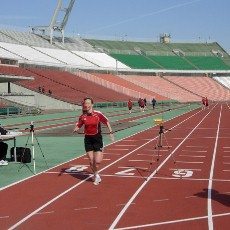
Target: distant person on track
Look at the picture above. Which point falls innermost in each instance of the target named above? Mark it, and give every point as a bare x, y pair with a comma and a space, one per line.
142, 105
145, 101
203, 101
43, 89
130, 105
154, 102
92, 120
206, 102
139, 102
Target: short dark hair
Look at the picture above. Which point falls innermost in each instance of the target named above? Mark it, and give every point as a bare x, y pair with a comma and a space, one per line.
88, 98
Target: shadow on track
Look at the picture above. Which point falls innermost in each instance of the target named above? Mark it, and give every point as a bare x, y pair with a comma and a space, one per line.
78, 175
219, 197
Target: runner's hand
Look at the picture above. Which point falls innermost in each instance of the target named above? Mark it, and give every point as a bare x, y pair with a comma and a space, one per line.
111, 135
75, 130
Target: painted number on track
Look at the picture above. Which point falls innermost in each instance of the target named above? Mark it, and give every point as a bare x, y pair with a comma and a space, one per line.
182, 173
126, 172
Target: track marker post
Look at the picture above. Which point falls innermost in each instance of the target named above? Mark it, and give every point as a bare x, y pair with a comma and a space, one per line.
161, 144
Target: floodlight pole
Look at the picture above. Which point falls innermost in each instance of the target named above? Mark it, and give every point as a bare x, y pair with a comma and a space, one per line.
58, 21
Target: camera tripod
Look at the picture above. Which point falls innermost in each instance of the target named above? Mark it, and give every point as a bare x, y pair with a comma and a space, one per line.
33, 137
160, 147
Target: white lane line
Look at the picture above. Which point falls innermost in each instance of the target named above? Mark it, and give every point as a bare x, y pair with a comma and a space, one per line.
190, 162
195, 151
151, 155
126, 167
160, 200
115, 154
105, 159
156, 150
186, 169
188, 197
226, 170
195, 146
184, 155
4, 217
226, 147
44, 213
87, 208
81, 182
145, 177
119, 216
210, 221
171, 222
141, 161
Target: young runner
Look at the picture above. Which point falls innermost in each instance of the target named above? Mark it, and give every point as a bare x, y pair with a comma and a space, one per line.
130, 105
92, 120
203, 103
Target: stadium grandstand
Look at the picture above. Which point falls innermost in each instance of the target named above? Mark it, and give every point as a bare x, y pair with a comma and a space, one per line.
110, 71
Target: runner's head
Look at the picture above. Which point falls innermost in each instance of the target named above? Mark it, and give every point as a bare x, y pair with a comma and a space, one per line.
88, 104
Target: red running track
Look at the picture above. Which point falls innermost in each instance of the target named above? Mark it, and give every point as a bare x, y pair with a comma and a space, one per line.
189, 190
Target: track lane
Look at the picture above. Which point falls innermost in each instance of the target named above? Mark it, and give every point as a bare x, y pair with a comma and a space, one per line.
143, 195
183, 207
31, 184
65, 201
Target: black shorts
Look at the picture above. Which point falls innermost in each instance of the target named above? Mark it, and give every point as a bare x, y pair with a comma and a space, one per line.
93, 143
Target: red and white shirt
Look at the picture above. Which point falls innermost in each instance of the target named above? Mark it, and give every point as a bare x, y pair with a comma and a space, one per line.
92, 122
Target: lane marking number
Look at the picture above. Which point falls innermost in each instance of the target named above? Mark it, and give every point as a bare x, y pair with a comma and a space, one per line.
182, 173
126, 172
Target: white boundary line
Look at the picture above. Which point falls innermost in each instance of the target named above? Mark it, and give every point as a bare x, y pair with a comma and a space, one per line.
81, 182
210, 221
17, 182
172, 221
113, 225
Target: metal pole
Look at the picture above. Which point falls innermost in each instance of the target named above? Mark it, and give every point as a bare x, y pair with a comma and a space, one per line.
32, 143
15, 155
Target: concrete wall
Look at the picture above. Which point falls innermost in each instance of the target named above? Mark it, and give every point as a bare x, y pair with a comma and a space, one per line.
35, 99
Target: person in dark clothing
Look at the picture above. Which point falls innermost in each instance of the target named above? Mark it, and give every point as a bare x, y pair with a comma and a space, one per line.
3, 148
153, 103
43, 89
145, 101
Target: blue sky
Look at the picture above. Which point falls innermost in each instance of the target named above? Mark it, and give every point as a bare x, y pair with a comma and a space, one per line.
185, 20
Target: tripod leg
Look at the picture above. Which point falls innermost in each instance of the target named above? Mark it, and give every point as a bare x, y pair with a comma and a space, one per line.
41, 151
155, 153
167, 145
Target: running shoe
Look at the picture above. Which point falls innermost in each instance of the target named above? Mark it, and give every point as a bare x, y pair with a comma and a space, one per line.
97, 180
3, 163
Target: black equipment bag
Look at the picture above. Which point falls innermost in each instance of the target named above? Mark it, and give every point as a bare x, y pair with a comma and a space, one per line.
3, 150
3, 131
23, 154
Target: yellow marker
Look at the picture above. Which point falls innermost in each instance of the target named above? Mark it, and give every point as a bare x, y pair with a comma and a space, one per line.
158, 121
